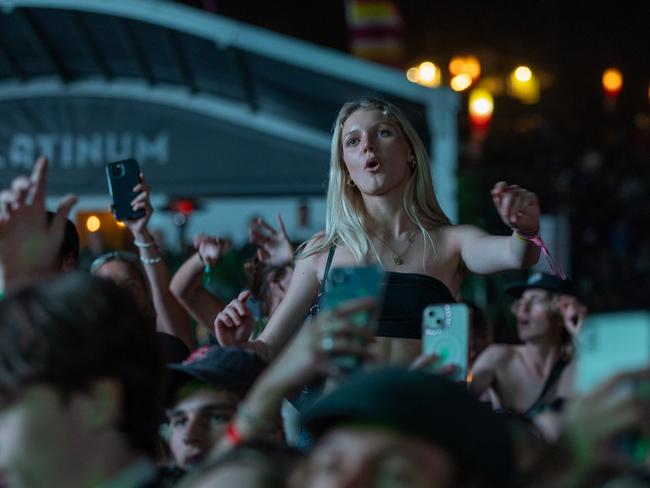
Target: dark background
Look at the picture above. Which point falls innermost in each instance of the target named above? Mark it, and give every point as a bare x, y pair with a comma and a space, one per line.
588, 162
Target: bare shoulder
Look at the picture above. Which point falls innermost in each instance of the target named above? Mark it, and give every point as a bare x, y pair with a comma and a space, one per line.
496, 354
458, 233
313, 254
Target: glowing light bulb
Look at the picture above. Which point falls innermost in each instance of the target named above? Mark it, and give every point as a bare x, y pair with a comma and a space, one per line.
612, 81
523, 74
93, 223
481, 103
429, 74
413, 74
461, 82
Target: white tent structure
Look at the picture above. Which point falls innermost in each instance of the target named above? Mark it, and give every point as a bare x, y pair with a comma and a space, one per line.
209, 106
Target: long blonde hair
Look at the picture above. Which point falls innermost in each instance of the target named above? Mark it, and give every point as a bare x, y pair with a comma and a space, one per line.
346, 217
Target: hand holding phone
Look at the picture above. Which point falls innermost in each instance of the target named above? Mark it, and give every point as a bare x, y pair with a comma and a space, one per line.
445, 333
346, 283
122, 177
611, 347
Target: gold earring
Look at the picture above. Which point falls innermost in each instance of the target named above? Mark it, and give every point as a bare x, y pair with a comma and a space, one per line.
350, 183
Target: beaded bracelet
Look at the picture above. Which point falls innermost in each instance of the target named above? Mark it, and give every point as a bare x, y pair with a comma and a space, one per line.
150, 260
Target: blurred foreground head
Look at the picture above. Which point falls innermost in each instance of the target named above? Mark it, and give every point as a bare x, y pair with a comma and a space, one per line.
403, 428
67, 259
79, 379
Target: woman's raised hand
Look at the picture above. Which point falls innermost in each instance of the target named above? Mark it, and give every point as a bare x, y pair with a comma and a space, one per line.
517, 207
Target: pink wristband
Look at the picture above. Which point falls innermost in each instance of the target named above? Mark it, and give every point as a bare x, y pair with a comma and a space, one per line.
537, 241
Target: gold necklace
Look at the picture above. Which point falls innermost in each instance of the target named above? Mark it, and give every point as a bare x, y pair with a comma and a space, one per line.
397, 256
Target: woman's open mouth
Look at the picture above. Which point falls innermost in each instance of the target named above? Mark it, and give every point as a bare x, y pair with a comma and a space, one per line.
372, 165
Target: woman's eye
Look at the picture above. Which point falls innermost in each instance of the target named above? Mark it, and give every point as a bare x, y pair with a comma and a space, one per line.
383, 132
351, 141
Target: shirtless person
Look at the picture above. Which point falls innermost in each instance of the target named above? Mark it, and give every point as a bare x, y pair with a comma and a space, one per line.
548, 316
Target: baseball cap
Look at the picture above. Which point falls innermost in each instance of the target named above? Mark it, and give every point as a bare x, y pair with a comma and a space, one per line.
543, 281
424, 406
230, 368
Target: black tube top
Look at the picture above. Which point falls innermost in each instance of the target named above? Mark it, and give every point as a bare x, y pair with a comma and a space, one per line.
405, 297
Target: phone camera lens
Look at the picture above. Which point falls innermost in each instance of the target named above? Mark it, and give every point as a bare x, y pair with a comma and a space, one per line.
117, 170
338, 277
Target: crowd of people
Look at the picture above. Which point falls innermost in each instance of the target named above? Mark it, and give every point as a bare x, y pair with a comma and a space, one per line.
129, 375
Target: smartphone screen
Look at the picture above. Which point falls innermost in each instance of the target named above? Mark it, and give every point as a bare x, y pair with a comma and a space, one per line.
122, 176
611, 343
445, 332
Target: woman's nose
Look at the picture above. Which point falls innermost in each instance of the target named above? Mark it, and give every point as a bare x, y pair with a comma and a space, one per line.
368, 144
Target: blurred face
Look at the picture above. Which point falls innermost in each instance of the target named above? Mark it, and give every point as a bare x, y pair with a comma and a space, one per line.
125, 276
364, 457
535, 315
42, 439
375, 152
197, 422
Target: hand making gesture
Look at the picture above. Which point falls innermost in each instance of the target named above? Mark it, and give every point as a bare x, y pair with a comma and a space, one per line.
28, 245
211, 248
275, 248
517, 207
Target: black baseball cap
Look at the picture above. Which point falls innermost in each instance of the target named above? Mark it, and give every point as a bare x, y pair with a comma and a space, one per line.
543, 281
424, 406
230, 368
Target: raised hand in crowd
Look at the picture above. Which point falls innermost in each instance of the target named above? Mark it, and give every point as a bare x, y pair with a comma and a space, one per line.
275, 247
210, 248
187, 283
28, 244
429, 363
620, 406
317, 351
517, 207
602, 428
140, 227
573, 312
234, 324
170, 316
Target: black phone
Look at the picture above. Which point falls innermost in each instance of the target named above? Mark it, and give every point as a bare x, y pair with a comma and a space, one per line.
122, 177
